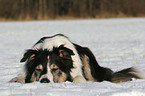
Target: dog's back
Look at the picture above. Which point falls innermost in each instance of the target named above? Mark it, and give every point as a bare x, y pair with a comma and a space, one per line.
94, 72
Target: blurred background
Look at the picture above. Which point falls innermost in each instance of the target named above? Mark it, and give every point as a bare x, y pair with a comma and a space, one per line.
69, 9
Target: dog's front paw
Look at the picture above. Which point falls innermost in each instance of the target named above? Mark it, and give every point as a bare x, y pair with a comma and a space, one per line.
79, 79
17, 79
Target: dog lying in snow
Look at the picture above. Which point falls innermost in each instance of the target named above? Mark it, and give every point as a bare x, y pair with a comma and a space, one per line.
57, 59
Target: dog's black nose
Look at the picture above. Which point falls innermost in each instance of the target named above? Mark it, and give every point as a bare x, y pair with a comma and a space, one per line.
44, 80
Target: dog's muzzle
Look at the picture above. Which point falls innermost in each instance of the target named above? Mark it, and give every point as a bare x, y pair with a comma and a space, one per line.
44, 80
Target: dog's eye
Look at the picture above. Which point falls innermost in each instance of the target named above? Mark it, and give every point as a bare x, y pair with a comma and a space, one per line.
54, 69
38, 70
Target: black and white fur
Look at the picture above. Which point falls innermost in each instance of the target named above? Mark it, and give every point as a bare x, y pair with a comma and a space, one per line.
57, 59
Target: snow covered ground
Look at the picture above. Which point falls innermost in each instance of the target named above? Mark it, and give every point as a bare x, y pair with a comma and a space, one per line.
116, 43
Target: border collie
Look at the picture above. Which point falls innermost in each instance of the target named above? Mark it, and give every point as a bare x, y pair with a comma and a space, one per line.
57, 59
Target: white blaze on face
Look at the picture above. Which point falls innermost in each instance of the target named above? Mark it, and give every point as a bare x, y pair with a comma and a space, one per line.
48, 75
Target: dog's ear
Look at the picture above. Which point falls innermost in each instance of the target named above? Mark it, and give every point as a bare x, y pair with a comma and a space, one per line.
28, 54
65, 52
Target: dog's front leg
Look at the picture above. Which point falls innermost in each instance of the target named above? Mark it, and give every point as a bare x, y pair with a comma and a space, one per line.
18, 80
77, 72
79, 79
77, 76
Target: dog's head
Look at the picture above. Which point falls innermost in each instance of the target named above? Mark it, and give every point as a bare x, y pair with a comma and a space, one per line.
48, 66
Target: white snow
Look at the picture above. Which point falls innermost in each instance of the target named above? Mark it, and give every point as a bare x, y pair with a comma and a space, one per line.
116, 43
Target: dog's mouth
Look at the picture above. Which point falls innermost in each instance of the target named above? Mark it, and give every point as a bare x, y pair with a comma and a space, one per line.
37, 75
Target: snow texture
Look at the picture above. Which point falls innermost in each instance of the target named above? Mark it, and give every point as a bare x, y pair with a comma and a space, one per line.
116, 43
